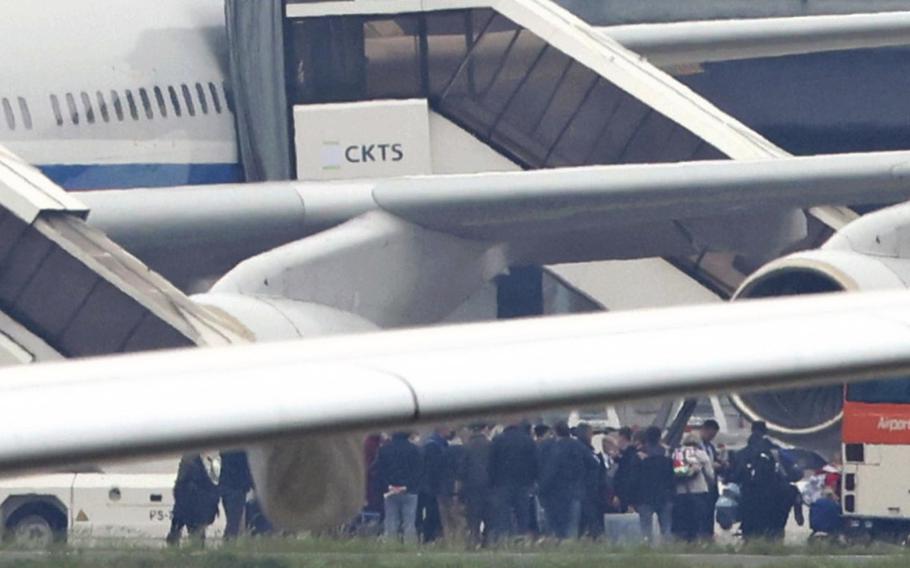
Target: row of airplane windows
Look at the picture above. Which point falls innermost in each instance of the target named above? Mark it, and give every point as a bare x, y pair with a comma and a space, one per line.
158, 102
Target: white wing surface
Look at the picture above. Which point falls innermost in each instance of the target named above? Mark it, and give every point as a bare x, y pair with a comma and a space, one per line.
546, 216
136, 405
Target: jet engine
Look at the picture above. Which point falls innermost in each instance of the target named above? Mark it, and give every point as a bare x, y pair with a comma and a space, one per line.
871, 253
314, 483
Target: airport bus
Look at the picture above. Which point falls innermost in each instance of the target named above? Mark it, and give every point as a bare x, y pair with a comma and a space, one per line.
876, 452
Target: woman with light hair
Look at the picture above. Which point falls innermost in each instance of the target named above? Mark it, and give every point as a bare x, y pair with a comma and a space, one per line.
694, 479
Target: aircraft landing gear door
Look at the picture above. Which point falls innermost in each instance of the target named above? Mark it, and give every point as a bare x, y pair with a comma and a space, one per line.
362, 140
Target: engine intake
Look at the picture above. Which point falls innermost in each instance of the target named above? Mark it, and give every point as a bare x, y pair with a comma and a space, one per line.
866, 255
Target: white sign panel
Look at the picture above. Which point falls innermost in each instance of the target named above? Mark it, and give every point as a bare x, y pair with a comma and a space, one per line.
362, 140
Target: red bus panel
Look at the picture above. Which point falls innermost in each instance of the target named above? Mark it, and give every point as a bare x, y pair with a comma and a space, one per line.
876, 423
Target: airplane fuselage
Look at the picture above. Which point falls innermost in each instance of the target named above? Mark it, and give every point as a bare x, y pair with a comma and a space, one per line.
119, 94
104, 94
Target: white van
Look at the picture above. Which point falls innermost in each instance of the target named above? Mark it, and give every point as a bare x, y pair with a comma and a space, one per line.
37, 511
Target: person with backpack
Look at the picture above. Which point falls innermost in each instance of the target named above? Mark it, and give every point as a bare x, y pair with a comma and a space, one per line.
694, 473
196, 498
756, 472
654, 487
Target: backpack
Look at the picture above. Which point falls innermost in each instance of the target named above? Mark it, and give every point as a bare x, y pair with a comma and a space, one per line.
682, 463
761, 468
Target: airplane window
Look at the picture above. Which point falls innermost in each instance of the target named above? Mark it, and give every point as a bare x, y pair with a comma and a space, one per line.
228, 97
175, 100
146, 103
102, 107
162, 105
74, 110
26, 113
203, 103
118, 105
188, 99
216, 100
87, 105
55, 105
8, 113
131, 102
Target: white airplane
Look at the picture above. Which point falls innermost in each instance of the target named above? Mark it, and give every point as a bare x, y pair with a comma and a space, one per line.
115, 95
455, 234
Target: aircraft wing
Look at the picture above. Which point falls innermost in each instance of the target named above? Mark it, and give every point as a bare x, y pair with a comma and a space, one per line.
503, 206
136, 405
691, 43
544, 216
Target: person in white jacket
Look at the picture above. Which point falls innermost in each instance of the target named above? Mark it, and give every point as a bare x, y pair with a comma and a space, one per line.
693, 484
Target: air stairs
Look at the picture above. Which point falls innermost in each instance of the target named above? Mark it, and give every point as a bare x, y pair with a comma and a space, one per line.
546, 90
66, 290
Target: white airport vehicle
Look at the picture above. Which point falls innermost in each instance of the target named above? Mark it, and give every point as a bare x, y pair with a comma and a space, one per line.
36, 511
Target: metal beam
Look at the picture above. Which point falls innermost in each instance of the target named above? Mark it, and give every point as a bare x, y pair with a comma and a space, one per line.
687, 43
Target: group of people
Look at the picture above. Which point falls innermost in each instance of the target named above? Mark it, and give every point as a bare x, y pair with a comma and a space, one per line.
531, 482
539, 481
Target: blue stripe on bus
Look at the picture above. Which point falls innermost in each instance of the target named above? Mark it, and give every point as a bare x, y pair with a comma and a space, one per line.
124, 176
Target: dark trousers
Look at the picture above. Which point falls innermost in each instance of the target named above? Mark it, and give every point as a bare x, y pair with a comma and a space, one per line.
429, 521
511, 514
688, 515
787, 498
707, 522
477, 513
592, 519
758, 511
234, 503
195, 532
562, 513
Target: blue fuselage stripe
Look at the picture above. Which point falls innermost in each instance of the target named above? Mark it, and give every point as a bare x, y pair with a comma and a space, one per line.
124, 176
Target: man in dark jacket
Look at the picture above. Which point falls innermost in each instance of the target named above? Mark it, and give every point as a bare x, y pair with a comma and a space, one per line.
196, 499
235, 482
708, 431
513, 472
399, 466
436, 466
561, 484
655, 487
373, 491
593, 501
756, 471
626, 470
543, 437
474, 481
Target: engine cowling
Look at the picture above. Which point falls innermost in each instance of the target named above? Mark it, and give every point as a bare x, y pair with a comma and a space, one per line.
872, 253
313, 483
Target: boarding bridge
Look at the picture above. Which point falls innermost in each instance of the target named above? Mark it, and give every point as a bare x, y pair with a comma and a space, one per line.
376, 88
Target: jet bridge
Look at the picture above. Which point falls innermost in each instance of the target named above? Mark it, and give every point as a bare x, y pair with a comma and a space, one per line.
524, 84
